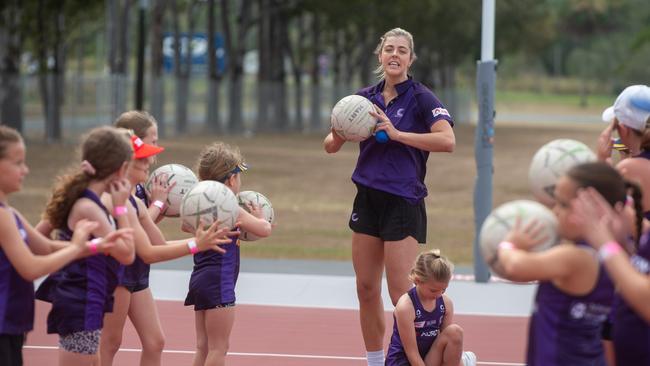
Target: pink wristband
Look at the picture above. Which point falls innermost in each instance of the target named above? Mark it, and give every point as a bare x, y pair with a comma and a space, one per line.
159, 204
192, 245
506, 245
92, 245
119, 211
609, 249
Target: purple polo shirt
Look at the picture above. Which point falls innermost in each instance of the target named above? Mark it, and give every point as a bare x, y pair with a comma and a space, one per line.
394, 167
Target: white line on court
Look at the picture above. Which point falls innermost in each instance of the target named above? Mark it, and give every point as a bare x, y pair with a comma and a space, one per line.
278, 355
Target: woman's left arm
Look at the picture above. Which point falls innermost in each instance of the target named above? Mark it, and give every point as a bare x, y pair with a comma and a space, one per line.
440, 139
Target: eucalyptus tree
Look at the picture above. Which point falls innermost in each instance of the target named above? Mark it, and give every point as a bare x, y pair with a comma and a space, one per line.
11, 48
236, 24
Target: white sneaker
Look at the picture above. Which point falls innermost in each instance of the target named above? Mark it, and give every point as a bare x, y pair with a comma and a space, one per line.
468, 358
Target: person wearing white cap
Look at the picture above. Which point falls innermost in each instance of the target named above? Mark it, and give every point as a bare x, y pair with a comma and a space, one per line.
629, 269
630, 117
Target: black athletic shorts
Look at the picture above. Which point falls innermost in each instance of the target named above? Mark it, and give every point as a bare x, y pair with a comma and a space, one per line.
387, 216
11, 349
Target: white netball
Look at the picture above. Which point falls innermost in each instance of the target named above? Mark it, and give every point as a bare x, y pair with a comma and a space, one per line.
351, 120
209, 201
502, 219
256, 198
552, 161
184, 179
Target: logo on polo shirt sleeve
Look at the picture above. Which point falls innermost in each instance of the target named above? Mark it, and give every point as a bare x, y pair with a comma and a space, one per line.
440, 112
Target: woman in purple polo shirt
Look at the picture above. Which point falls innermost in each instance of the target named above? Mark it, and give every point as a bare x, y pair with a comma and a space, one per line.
388, 218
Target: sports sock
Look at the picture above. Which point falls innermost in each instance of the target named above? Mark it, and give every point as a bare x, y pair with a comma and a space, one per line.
375, 358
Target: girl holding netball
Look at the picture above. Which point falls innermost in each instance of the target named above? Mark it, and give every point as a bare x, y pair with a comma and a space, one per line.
82, 291
133, 296
213, 280
424, 333
575, 293
26, 254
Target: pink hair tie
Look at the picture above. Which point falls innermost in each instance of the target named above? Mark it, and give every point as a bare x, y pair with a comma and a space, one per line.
87, 168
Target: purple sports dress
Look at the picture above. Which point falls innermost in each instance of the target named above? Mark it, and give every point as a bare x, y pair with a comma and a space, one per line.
427, 328
214, 277
82, 291
566, 329
16, 293
136, 275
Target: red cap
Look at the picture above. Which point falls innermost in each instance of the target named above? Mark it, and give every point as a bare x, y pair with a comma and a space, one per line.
143, 150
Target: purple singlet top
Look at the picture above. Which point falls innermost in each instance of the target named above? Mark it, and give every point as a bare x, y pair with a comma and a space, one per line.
427, 328
630, 333
136, 275
214, 277
16, 293
82, 291
566, 329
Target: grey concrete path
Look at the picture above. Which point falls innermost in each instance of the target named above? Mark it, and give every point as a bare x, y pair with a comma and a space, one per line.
328, 284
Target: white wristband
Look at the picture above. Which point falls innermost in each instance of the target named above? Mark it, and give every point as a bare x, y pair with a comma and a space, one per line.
159, 204
192, 245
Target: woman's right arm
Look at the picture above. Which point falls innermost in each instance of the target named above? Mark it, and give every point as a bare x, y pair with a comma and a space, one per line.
333, 142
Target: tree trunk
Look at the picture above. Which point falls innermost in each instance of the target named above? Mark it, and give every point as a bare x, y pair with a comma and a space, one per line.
118, 55
315, 124
157, 82
366, 64
55, 81
79, 75
183, 65
236, 50
11, 46
279, 79
213, 122
264, 61
294, 54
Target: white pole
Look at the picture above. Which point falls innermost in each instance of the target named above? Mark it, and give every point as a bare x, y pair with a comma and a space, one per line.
487, 31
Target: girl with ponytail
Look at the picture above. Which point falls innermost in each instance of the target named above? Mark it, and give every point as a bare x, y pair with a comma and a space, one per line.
82, 291
26, 254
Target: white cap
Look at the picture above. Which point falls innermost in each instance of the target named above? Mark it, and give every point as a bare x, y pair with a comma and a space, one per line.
632, 108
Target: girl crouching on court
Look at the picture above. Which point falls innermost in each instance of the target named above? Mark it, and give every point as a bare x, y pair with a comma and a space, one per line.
213, 280
423, 332
575, 294
82, 291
